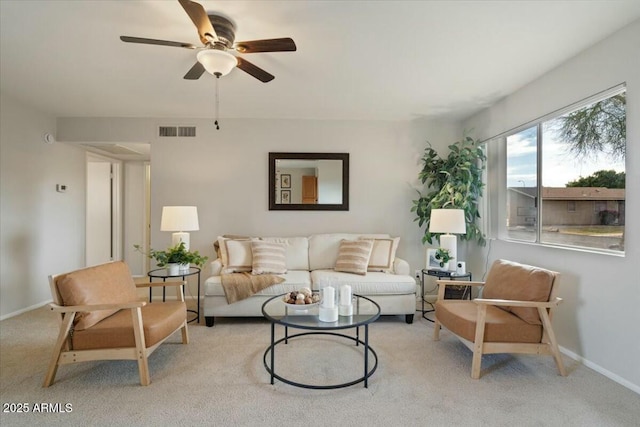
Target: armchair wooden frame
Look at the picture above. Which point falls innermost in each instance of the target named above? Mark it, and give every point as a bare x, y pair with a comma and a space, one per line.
547, 346
64, 354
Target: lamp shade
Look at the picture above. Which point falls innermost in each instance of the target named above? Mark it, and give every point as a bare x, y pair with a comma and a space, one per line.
217, 61
179, 218
447, 221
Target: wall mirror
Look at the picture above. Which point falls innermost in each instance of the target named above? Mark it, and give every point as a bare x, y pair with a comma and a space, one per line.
309, 181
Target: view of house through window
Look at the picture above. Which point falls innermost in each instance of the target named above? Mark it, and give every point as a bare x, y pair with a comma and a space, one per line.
566, 177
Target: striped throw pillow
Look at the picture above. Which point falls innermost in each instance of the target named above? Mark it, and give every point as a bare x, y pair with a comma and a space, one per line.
268, 257
353, 256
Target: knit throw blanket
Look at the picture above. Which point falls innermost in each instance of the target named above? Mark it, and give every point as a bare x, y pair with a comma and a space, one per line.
239, 286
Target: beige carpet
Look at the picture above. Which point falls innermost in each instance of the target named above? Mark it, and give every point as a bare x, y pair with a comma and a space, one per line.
219, 380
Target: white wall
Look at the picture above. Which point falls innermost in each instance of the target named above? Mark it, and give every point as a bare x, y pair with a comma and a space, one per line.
600, 317
41, 230
225, 172
134, 216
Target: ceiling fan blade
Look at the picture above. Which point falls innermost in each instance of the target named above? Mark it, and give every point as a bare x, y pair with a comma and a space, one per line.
201, 20
156, 42
255, 71
195, 72
267, 45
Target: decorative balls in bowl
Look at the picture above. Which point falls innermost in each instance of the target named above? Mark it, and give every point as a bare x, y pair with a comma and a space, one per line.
302, 298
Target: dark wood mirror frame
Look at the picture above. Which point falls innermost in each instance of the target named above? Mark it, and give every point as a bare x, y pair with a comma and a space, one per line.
273, 206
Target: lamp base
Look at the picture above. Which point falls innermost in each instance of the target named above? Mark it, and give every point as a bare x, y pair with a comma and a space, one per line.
449, 242
178, 237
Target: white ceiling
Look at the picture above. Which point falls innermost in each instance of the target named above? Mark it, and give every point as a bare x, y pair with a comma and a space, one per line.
389, 60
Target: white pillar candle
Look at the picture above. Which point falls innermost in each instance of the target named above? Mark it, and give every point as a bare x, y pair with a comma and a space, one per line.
345, 295
328, 296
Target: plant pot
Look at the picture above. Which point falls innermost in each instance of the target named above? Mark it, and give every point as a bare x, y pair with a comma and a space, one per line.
184, 267
173, 269
445, 266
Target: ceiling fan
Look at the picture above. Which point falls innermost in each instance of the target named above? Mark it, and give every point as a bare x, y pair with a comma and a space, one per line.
217, 34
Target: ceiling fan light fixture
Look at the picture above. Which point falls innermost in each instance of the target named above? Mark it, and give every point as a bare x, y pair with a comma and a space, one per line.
217, 62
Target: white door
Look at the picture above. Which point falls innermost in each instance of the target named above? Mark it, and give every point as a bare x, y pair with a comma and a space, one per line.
99, 237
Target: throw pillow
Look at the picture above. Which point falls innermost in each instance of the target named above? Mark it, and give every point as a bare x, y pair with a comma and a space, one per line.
235, 255
353, 256
383, 254
268, 257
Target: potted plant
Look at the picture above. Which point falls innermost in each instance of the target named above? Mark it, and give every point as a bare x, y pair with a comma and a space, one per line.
452, 182
175, 258
443, 256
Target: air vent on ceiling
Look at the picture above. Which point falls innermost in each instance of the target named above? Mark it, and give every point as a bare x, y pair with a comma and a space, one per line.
173, 131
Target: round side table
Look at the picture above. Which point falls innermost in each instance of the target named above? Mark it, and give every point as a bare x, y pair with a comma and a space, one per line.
163, 273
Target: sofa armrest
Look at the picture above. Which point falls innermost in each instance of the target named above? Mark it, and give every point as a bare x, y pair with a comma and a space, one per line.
216, 267
401, 266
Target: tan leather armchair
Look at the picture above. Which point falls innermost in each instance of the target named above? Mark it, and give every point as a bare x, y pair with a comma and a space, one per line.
101, 318
513, 315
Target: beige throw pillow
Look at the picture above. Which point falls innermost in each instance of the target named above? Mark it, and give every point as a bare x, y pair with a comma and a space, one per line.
268, 257
383, 254
235, 255
353, 256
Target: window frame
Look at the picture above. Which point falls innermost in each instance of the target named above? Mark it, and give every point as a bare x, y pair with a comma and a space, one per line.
495, 225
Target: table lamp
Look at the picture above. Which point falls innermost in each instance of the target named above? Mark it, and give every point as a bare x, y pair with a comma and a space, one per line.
450, 222
179, 219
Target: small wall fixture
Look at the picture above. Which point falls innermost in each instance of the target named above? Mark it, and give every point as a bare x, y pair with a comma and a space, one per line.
48, 138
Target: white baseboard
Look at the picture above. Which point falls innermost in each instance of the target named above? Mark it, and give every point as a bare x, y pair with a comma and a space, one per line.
24, 310
601, 370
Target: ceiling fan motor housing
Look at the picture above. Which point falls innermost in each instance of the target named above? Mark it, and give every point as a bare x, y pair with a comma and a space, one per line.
225, 29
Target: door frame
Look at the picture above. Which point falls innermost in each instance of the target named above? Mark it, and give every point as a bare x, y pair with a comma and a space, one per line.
116, 203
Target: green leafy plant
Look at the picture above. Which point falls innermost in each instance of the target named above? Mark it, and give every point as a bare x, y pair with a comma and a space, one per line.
443, 256
454, 182
177, 254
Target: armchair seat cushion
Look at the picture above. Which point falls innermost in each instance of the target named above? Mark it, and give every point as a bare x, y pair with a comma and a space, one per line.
501, 326
116, 331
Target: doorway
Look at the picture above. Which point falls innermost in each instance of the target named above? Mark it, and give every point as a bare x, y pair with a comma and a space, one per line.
104, 210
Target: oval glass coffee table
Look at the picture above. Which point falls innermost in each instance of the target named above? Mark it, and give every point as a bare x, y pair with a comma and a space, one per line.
365, 312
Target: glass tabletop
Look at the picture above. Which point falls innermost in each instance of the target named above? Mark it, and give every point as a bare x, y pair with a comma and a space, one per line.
164, 274
365, 311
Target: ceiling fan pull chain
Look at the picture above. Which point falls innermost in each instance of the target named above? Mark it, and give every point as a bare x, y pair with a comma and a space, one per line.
217, 102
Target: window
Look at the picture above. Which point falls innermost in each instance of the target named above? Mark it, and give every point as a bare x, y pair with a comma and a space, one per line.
565, 176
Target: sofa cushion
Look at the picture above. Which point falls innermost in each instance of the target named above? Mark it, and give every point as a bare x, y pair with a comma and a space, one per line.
514, 281
323, 248
109, 283
268, 257
294, 280
297, 251
375, 283
383, 254
158, 321
500, 326
235, 254
353, 256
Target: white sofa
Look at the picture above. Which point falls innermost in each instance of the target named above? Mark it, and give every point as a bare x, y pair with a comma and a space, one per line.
310, 263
